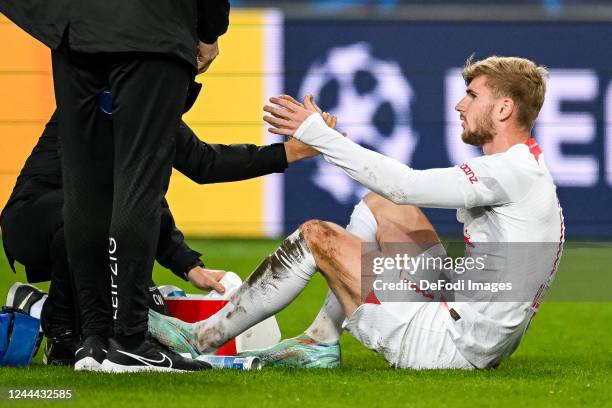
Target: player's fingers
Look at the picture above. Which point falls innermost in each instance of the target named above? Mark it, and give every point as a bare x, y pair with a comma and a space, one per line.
285, 103
328, 119
216, 286
334, 122
277, 122
203, 66
316, 108
292, 99
314, 104
344, 134
278, 112
309, 103
283, 132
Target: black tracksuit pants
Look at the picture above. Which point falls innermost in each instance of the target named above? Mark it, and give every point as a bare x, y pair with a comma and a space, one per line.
114, 179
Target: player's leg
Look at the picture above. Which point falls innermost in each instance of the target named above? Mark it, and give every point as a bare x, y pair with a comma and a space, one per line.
400, 223
274, 284
278, 280
374, 219
319, 345
409, 332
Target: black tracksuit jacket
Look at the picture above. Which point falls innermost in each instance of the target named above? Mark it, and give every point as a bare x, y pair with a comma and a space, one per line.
171, 27
201, 162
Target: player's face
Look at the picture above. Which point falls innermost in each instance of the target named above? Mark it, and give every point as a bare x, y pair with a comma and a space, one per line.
475, 111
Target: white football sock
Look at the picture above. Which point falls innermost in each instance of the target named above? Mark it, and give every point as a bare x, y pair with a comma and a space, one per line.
278, 280
327, 326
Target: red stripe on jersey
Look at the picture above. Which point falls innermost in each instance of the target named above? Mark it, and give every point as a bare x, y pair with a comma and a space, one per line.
372, 299
534, 149
543, 287
467, 242
561, 240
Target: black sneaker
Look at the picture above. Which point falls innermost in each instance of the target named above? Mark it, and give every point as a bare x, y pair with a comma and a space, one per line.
90, 354
60, 349
23, 296
150, 355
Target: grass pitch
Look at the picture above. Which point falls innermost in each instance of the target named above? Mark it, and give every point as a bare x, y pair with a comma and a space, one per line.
565, 360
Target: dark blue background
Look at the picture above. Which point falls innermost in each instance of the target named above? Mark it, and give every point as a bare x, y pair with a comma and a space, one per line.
426, 51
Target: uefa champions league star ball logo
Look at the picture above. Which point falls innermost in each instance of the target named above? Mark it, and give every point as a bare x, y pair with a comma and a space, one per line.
372, 100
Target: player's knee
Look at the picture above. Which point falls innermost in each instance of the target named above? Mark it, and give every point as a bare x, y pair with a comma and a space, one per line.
312, 230
318, 234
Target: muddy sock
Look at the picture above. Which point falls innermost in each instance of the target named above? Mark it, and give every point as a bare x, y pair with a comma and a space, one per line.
273, 285
327, 326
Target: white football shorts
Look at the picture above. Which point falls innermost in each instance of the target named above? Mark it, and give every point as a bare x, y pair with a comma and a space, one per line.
407, 334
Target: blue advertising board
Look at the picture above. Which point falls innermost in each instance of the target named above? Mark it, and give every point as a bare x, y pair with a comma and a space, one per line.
394, 85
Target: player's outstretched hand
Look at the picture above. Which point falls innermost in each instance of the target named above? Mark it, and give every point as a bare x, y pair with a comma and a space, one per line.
288, 114
206, 279
296, 150
330, 120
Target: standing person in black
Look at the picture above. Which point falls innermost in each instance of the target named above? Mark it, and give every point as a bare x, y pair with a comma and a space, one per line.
32, 223
146, 53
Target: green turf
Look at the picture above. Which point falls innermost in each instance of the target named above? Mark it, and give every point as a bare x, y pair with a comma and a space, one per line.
564, 360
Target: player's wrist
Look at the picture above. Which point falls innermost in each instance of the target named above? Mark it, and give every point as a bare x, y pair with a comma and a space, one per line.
301, 131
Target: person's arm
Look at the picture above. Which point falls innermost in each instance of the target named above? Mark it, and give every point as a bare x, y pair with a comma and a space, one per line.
477, 183
215, 163
474, 184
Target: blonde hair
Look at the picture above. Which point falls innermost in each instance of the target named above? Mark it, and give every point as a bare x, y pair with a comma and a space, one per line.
516, 78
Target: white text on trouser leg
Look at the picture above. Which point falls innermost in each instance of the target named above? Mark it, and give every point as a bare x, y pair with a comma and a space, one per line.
114, 267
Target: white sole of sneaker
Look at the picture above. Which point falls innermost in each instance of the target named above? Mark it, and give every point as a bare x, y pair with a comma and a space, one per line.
87, 364
114, 368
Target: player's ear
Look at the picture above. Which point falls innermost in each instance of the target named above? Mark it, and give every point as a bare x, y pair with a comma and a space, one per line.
504, 109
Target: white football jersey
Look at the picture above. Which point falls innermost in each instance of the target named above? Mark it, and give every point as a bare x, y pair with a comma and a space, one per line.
511, 215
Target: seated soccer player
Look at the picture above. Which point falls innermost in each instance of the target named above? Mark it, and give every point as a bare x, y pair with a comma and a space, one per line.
32, 233
506, 200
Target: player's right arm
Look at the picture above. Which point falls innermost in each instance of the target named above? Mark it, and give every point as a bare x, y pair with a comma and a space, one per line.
487, 180
480, 182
